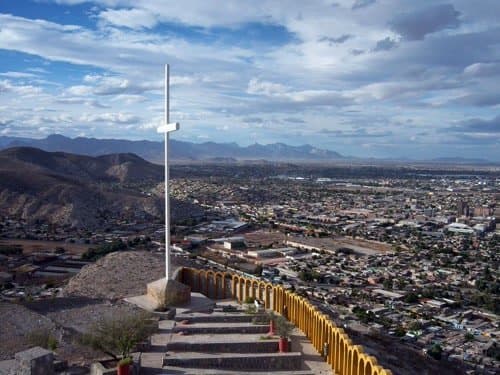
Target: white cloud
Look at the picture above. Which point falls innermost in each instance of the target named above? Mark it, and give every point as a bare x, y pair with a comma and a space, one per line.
38, 70
113, 85
258, 87
130, 99
135, 54
183, 80
482, 69
388, 90
40, 120
310, 97
91, 78
79, 90
131, 18
304, 62
117, 118
18, 75
7, 86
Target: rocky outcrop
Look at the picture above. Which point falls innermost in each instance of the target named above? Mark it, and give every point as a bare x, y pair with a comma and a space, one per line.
117, 275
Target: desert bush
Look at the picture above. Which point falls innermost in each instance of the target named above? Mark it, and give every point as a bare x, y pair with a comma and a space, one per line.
118, 335
43, 337
283, 327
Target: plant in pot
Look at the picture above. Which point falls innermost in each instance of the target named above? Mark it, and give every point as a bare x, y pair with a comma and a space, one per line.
123, 367
118, 335
284, 329
272, 323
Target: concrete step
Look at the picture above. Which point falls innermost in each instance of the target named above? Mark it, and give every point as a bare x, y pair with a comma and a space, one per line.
166, 325
226, 328
199, 303
226, 343
221, 346
220, 318
235, 361
198, 371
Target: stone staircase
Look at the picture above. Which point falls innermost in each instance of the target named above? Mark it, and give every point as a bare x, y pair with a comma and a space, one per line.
225, 343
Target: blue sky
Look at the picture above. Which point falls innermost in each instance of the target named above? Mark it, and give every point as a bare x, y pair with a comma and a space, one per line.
368, 78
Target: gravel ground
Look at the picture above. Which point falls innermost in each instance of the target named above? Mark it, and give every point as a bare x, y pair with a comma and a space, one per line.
116, 276
95, 292
64, 317
92, 294
17, 322
78, 314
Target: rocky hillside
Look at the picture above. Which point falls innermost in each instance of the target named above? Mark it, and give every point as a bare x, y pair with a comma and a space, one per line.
105, 168
117, 275
80, 191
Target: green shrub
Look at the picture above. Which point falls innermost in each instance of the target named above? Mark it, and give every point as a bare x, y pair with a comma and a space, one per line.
400, 331
52, 343
43, 337
250, 309
94, 254
249, 300
260, 319
283, 327
435, 351
117, 336
266, 337
125, 361
270, 315
11, 249
469, 336
229, 308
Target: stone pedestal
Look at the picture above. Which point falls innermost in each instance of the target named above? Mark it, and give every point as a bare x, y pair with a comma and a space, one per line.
35, 361
168, 293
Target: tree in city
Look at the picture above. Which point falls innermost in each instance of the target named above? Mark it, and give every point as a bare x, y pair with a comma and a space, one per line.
435, 351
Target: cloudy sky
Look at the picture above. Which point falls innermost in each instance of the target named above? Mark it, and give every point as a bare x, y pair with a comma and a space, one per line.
368, 78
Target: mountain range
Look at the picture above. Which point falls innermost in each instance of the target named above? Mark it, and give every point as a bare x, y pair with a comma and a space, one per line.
179, 150
81, 191
183, 151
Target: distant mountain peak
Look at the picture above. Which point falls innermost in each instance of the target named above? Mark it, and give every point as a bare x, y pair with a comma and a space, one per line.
180, 150
57, 137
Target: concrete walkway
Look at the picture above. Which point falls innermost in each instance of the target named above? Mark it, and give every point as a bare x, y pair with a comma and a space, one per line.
312, 360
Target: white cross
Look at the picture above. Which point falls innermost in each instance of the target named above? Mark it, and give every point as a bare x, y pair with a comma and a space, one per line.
166, 128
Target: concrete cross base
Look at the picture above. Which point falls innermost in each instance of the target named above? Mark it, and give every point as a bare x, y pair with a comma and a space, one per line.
168, 293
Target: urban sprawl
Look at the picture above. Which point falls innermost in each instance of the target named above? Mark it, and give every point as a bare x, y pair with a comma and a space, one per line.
413, 256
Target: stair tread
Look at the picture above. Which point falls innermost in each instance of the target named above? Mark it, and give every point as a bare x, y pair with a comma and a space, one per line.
199, 355
218, 324
215, 314
221, 338
212, 314
198, 371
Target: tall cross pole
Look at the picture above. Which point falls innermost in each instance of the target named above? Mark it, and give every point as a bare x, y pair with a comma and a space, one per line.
166, 128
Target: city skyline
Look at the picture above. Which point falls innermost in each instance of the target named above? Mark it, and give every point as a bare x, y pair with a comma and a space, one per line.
365, 78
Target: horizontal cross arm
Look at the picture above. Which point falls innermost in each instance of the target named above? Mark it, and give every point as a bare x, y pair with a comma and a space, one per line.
168, 127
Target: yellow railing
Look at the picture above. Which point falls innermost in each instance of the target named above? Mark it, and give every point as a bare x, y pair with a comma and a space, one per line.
343, 356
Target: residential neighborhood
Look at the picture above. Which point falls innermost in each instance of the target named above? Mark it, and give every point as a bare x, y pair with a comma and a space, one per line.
410, 260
